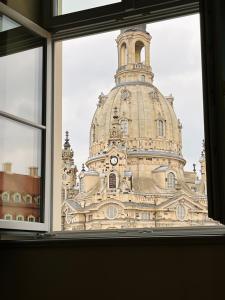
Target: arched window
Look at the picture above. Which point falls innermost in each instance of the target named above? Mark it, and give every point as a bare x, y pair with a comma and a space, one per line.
139, 52
124, 127
31, 218
160, 128
171, 180
180, 212
8, 217
20, 218
123, 54
17, 197
112, 181
5, 197
143, 78
28, 199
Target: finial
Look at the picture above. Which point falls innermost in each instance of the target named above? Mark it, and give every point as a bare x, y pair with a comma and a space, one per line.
67, 144
83, 168
194, 168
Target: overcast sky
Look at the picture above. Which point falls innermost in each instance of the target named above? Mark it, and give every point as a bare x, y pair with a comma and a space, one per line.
89, 64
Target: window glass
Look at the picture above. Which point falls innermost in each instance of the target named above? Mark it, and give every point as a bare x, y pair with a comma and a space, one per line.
68, 6
7, 23
20, 169
21, 84
147, 169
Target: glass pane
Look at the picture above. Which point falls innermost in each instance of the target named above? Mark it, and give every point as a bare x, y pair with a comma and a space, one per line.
20, 171
7, 24
68, 6
151, 172
21, 84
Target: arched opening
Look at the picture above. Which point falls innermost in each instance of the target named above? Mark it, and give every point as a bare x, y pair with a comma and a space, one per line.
160, 128
112, 181
123, 54
139, 52
171, 180
143, 78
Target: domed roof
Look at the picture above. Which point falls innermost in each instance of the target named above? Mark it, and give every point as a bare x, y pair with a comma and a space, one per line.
134, 114
145, 119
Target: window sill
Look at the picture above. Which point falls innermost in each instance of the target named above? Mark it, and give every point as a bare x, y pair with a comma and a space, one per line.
137, 237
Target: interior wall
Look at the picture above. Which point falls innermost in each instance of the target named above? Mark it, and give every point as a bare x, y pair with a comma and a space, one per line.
124, 270
29, 8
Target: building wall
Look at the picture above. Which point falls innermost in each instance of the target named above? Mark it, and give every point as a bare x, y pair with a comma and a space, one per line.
164, 269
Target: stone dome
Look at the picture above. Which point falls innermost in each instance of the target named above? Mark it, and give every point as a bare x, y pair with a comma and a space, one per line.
145, 119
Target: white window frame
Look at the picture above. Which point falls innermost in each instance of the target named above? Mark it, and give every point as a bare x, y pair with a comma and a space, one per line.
8, 197
42, 33
20, 216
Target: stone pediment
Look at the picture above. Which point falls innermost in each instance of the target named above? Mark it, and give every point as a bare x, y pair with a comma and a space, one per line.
97, 206
114, 151
184, 200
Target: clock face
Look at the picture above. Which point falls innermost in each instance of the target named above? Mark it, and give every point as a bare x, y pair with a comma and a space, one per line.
114, 160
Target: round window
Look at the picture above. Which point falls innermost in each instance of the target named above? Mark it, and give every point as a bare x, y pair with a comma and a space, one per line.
181, 212
111, 212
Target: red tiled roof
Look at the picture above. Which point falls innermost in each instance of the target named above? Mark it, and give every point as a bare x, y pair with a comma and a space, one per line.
19, 183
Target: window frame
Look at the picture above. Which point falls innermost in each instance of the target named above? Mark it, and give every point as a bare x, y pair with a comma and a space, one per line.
39, 34
115, 16
134, 12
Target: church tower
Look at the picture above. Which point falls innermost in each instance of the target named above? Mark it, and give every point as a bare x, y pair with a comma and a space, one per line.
69, 171
133, 45
135, 174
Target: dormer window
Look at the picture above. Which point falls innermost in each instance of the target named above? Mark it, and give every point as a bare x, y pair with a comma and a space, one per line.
20, 218
31, 219
17, 198
5, 197
8, 217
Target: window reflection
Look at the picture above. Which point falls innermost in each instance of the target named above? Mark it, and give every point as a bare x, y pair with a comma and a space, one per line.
20, 171
21, 84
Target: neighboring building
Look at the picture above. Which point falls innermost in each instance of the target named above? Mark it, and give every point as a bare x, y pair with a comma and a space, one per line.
19, 195
135, 174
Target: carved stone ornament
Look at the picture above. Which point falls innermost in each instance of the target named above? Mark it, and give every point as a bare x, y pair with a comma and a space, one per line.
154, 94
125, 94
101, 99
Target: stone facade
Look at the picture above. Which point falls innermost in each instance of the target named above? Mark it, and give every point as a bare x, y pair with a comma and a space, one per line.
134, 176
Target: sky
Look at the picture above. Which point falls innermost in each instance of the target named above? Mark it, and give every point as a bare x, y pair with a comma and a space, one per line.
69, 6
21, 95
89, 66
